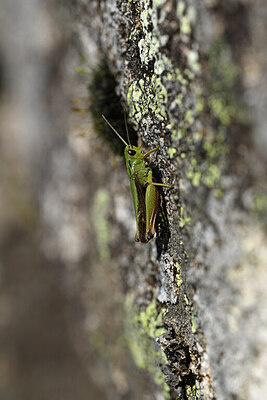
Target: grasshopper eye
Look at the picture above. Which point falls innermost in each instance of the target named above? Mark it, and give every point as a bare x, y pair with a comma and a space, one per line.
131, 152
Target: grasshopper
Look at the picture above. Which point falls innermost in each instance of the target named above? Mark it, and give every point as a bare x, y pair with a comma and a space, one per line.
145, 192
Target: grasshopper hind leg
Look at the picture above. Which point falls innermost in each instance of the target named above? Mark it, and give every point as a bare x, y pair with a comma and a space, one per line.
152, 200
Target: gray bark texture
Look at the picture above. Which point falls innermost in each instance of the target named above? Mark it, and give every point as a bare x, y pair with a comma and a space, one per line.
87, 312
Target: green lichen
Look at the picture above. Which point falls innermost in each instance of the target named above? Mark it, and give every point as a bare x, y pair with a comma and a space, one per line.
224, 100
134, 33
194, 327
184, 219
225, 109
179, 280
190, 309
208, 171
145, 17
180, 8
151, 320
259, 206
180, 77
193, 60
148, 47
190, 74
98, 343
81, 70
189, 118
186, 17
193, 392
142, 328
199, 99
160, 66
147, 96
100, 210
185, 25
179, 99
211, 176
172, 151
158, 3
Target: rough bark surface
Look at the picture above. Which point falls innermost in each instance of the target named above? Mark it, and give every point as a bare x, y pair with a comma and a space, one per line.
89, 313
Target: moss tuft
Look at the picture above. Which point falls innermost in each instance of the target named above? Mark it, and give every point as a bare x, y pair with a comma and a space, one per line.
105, 101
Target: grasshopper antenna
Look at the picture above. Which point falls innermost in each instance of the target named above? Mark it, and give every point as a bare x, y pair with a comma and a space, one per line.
114, 130
126, 126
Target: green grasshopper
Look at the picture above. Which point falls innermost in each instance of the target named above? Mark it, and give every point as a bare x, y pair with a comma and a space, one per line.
145, 192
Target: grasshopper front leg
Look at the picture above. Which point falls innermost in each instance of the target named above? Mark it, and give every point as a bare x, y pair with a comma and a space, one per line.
146, 155
150, 182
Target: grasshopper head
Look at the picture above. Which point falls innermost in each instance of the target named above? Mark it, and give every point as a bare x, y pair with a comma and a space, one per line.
132, 151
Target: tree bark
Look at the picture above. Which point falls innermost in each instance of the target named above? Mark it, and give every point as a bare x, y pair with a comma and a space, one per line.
183, 71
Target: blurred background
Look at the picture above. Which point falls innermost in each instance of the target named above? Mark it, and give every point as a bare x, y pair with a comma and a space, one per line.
54, 296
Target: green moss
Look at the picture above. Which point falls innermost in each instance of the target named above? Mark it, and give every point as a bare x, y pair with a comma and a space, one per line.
102, 90
100, 210
142, 328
